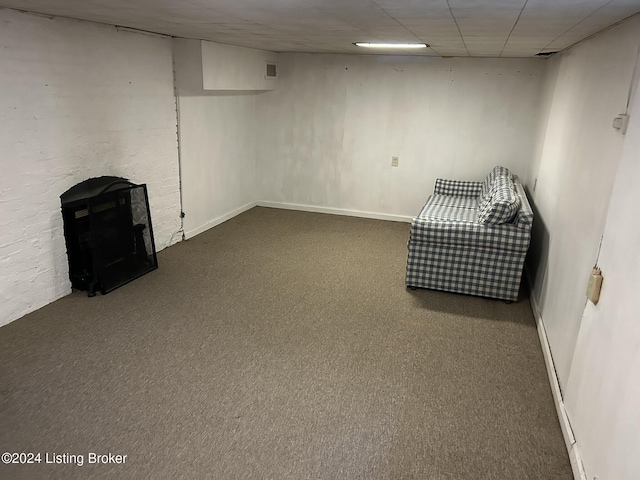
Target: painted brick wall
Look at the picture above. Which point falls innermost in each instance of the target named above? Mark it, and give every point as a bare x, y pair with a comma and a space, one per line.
77, 100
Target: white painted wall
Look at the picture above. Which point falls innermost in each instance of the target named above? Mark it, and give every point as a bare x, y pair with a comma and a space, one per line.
575, 167
225, 67
603, 390
217, 151
327, 134
217, 140
587, 184
77, 100
187, 66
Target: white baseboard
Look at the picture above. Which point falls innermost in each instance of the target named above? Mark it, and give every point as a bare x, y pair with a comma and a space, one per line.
217, 221
337, 211
294, 206
567, 432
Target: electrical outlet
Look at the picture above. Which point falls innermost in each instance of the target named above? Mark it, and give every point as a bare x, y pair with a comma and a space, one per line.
620, 123
394, 161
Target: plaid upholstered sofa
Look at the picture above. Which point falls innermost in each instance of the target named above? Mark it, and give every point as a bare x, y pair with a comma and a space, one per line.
472, 237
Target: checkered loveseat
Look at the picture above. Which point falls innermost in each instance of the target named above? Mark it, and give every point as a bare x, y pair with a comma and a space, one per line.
472, 237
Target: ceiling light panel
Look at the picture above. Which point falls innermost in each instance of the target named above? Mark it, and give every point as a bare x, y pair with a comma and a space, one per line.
391, 45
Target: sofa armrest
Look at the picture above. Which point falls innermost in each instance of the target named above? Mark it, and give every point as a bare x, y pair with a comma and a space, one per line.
505, 237
457, 188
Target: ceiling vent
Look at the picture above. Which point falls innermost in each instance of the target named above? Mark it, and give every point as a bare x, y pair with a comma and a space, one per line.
271, 70
545, 54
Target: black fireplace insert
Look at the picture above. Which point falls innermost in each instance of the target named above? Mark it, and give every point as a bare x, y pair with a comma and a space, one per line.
107, 229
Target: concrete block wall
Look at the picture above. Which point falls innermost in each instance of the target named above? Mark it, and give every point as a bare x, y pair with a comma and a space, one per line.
77, 100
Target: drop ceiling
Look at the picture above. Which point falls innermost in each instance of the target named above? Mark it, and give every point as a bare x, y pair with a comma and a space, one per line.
462, 28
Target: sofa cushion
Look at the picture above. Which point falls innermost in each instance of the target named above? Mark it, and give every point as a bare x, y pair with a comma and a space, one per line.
487, 184
502, 205
457, 188
449, 201
450, 209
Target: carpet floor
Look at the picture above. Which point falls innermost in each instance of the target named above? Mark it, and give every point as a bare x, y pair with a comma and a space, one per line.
280, 345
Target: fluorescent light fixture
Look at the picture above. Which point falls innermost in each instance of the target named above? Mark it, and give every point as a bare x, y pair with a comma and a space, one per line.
391, 45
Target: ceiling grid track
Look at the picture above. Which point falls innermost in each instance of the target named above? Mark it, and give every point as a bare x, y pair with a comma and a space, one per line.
458, 27
451, 28
513, 28
574, 26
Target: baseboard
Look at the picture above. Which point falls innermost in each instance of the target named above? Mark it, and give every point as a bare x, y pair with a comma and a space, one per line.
294, 206
337, 211
217, 221
567, 432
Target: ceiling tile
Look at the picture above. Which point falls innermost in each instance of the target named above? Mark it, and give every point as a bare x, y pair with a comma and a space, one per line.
333, 25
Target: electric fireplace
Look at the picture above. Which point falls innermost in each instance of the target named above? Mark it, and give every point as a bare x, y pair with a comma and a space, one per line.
107, 229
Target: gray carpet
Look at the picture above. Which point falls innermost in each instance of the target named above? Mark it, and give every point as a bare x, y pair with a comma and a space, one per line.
281, 345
